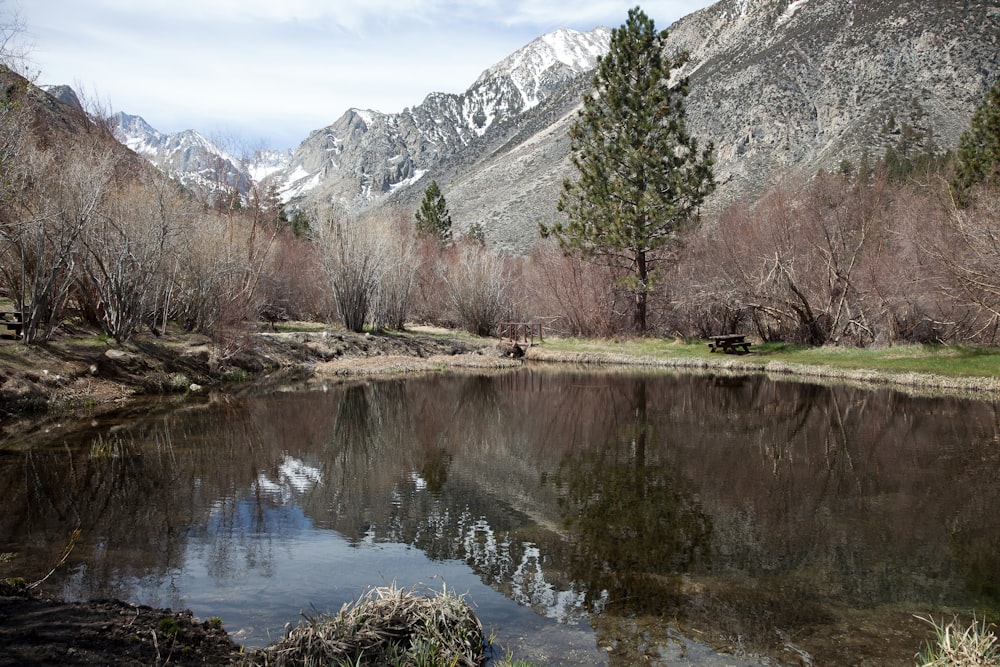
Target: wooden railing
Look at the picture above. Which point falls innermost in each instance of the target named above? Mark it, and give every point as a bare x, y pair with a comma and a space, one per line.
520, 333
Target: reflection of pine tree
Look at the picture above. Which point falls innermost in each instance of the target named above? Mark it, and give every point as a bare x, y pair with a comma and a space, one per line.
435, 470
635, 527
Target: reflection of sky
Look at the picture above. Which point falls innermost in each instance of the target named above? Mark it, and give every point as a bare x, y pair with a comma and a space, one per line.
261, 562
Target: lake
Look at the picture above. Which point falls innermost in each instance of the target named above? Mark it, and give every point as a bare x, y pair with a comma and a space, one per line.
590, 517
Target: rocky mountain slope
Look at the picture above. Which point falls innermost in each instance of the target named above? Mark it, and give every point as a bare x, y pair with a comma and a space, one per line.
800, 85
366, 155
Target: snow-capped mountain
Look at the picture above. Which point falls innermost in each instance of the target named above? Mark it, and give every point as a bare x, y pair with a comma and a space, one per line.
366, 155
186, 156
549, 61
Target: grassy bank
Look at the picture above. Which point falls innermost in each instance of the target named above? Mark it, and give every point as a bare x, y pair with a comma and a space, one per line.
923, 367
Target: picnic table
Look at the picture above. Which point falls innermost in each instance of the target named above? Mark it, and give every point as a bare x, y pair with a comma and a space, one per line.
11, 319
729, 343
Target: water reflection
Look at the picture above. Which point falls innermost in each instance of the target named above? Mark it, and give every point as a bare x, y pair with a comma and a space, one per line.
635, 525
748, 510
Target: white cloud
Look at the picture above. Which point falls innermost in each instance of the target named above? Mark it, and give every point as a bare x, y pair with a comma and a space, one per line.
277, 70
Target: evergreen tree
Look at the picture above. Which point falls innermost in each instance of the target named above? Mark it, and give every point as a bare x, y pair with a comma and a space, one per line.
978, 158
641, 175
476, 234
433, 218
299, 223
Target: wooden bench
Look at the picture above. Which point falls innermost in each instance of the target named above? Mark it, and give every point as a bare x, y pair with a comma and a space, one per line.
13, 323
729, 344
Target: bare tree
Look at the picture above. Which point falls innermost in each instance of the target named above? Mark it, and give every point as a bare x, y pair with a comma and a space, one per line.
393, 294
479, 284
354, 267
14, 123
123, 274
60, 195
14, 50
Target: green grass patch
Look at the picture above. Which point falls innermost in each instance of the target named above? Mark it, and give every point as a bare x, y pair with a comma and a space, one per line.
638, 347
944, 360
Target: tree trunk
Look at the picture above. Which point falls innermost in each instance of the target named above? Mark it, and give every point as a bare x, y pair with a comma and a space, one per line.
642, 289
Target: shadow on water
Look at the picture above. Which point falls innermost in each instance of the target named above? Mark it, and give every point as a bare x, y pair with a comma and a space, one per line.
592, 517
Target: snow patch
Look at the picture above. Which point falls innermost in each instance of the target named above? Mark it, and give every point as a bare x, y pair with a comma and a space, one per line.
365, 115
297, 183
417, 175
266, 163
259, 172
789, 12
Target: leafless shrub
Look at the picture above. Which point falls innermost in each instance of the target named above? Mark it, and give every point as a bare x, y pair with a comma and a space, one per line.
294, 285
60, 194
352, 259
966, 248
794, 263
431, 303
574, 296
122, 276
394, 291
479, 284
217, 271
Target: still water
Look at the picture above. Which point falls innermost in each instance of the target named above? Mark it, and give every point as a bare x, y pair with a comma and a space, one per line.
591, 518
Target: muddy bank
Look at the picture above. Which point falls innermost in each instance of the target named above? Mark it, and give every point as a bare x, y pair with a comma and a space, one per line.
78, 371
39, 631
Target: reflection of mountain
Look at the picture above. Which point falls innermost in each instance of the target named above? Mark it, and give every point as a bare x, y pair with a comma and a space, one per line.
750, 504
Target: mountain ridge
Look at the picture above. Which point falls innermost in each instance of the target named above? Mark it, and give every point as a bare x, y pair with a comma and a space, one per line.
383, 152
187, 156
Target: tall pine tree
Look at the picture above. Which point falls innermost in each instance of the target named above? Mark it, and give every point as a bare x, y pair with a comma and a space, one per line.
433, 218
641, 175
979, 147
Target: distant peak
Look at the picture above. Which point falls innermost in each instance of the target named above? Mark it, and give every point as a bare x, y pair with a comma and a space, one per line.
367, 116
572, 48
132, 125
65, 94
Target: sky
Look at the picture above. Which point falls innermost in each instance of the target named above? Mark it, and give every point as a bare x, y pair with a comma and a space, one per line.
254, 74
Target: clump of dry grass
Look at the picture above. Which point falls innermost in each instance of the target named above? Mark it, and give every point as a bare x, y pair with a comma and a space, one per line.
954, 646
385, 626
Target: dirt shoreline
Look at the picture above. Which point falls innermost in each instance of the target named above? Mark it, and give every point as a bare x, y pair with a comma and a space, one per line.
36, 630
80, 373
